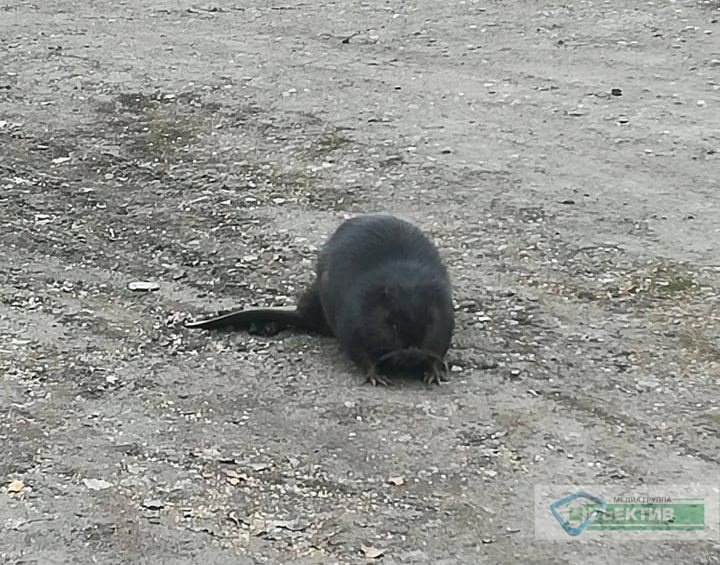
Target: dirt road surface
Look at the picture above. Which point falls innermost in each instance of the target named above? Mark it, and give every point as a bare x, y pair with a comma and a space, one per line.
564, 156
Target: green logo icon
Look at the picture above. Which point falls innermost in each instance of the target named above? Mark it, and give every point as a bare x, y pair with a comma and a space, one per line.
576, 512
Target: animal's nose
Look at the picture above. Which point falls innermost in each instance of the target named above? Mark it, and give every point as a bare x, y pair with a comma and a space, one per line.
414, 338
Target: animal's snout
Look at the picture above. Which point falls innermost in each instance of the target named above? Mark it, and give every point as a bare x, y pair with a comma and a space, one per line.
406, 357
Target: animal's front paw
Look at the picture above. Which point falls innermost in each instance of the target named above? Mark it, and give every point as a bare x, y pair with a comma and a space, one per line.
436, 374
374, 379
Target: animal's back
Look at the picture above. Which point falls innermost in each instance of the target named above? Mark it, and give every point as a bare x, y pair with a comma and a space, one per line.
364, 242
365, 246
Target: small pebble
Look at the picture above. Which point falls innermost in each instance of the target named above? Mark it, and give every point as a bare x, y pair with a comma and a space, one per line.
153, 504
143, 286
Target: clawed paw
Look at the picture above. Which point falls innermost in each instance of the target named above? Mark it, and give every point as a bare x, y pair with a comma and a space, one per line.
436, 374
374, 379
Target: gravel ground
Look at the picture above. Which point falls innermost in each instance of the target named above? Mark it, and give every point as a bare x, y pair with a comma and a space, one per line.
564, 156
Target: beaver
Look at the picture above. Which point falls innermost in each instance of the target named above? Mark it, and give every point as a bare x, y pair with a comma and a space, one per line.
382, 290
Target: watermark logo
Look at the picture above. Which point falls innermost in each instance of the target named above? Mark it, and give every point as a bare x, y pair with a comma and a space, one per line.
576, 518
683, 512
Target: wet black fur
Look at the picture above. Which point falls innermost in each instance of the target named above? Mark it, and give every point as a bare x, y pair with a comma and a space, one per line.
380, 286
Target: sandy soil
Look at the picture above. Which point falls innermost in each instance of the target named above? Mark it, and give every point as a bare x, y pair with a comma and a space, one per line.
212, 148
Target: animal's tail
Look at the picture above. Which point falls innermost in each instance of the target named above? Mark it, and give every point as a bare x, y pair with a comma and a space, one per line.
275, 318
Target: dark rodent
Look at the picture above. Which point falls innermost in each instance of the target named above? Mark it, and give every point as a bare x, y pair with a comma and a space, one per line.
382, 290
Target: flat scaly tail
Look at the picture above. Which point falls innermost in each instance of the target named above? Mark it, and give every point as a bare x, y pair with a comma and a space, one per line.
279, 318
